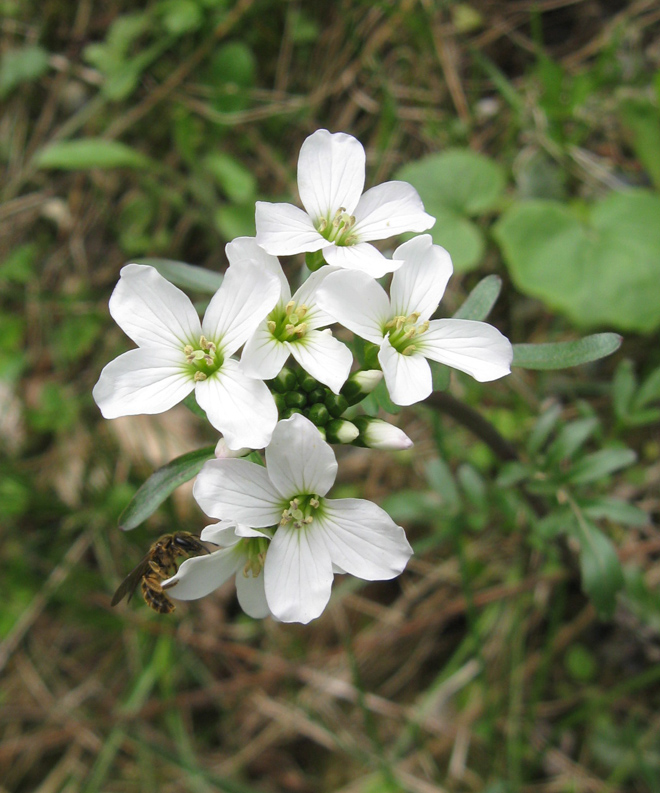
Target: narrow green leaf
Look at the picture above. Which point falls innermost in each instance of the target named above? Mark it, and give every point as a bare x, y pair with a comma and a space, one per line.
602, 576
562, 354
600, 464
187, 276
544, 426
481, 299
571, 437
441, 376
89, 153
624, 386
649, 390
160, 484
615, 510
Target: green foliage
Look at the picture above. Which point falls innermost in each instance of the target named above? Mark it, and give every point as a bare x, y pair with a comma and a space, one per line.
186, 276
642, 120
19, 66
161, 484
481, 299
88, 153
563, 354
635, 404
602, 271
455, 186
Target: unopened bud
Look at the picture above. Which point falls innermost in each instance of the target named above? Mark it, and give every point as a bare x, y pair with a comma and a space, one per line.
379, 434
341, 431
361, 384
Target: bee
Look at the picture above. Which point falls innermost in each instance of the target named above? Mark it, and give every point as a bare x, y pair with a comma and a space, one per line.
158, 564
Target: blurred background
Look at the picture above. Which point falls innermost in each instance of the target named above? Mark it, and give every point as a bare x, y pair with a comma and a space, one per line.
520, 651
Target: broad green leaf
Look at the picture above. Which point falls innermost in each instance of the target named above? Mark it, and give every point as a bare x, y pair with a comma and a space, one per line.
237, 182
604, 271
88, 153
455, 185
602, 576
562, 354
600, 464
187, 276
20, 66
481, 299
161, 484
459, 179
459, 235
235, 220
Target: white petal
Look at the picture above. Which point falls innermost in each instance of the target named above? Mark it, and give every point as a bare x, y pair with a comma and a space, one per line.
408, 377
222, 533
240, 407
252, 595
263, 356
388, 209
283, 229
238, 490
476, 348
297, 575
200, 575
306, 296
419, 284
331, 172
362, 538
152, 311
299, 461
324, 357
246, 296
362, 257
357, 302
146, 380
245, 250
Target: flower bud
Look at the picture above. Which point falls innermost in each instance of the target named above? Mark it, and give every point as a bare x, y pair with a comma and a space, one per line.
379, 434
223, 452
361, 384
341, 431
285, 381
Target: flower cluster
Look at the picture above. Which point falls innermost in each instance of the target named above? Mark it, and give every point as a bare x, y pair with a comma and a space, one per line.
291, 388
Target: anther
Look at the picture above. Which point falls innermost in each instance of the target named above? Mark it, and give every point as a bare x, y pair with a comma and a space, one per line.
271, 325
199, 376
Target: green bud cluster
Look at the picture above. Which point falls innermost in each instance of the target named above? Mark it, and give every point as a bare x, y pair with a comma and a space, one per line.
299, 392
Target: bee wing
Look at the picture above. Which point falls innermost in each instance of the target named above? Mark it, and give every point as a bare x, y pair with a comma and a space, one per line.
129, 584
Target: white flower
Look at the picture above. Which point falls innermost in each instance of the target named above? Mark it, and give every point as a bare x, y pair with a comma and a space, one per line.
339, 220
314, 536
400, 324
176, 353
292, 327
242, 554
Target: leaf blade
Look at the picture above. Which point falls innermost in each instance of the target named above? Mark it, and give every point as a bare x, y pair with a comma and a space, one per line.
161, 484
564, 354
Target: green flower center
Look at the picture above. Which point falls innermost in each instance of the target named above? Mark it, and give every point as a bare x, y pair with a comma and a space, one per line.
340, 229
204, 359
288, 325
404, 331
301, 511
255, 548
